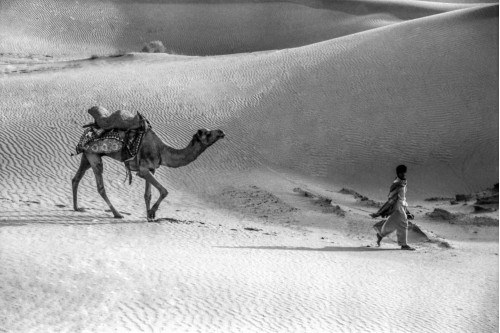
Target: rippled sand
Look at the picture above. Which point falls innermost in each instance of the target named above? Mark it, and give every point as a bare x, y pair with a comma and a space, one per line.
310, 95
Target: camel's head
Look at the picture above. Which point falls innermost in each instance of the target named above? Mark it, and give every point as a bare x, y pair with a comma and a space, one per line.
207, 137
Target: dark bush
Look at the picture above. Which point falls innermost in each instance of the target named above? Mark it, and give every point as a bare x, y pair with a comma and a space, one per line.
154, 47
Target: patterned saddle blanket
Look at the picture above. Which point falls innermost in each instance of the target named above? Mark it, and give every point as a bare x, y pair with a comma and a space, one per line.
99, 141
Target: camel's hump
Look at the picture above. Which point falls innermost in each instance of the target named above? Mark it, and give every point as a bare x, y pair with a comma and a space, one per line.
120, 119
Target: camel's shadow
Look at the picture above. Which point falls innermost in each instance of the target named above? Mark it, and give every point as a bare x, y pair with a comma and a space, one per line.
17, 218
95, 220
11, 224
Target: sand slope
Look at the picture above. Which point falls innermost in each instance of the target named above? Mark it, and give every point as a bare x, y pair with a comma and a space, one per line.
339, 95
189, 277
312, 110
191, 27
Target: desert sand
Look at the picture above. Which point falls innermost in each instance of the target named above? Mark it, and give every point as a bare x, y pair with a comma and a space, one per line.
269, 229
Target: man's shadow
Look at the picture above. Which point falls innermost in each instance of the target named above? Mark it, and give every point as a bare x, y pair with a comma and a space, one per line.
324, 249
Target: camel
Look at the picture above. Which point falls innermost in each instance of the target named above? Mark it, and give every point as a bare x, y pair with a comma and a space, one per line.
152, 154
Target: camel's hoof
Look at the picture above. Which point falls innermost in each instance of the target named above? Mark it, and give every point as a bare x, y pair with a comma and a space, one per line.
151, 217
118, 216
81, 210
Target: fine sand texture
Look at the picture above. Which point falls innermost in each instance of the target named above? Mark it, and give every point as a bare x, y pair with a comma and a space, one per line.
269, 229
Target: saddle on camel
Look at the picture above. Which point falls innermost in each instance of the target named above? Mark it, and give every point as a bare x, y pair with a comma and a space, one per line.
119, 131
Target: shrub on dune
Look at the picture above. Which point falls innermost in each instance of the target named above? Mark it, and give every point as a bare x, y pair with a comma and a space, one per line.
154, 47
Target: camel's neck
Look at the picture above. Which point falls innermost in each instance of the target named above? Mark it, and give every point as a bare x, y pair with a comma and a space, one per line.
175, 158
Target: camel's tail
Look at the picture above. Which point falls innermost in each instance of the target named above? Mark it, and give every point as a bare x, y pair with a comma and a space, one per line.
128, 173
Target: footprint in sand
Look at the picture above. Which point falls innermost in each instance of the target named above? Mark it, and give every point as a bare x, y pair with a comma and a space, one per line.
29, 202
252, 229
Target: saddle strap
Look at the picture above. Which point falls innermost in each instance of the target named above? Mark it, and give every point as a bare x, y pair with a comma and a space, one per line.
128, 172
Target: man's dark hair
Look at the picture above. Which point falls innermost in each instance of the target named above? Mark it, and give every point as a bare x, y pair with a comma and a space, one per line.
401, 169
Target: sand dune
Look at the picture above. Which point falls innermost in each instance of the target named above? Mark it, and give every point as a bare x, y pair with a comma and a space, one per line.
312, 95
312, 110
222, 27
187, 284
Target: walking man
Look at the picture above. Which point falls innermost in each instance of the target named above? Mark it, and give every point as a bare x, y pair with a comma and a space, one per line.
396, 208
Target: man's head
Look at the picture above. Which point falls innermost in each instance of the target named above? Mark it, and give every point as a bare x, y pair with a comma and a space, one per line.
401, 171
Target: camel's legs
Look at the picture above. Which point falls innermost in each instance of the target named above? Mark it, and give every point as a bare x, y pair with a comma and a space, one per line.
84, 166
98, 168
147, 193
149, 178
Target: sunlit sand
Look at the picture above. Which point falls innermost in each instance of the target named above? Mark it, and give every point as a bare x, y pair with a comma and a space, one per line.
268, 230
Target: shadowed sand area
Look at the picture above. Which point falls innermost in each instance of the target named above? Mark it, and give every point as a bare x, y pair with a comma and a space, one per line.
221, 27
317, 95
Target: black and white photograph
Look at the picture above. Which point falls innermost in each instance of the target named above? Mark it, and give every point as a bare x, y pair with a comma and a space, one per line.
249, 166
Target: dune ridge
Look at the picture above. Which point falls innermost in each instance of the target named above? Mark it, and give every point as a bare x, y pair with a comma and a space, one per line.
222, 27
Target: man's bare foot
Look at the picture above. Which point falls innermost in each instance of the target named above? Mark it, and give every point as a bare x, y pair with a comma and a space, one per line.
407, 248
379, 239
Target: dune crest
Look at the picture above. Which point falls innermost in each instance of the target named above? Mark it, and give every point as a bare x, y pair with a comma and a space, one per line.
92, 27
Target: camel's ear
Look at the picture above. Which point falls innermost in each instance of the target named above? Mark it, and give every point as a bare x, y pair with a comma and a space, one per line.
198, 135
